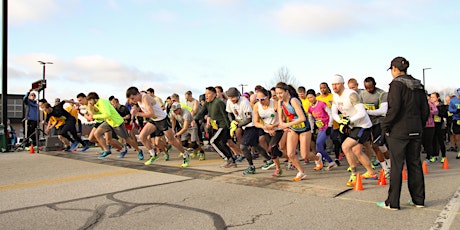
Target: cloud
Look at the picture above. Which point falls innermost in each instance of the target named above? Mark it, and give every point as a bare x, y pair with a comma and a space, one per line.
20, 11
224, 2
313, 19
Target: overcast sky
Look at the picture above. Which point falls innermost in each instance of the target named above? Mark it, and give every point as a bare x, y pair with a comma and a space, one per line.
173, 46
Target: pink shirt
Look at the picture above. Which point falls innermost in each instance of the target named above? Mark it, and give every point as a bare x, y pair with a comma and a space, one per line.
320, 114
433, 111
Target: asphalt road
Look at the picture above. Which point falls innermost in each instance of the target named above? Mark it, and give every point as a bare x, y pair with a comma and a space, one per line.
57, 190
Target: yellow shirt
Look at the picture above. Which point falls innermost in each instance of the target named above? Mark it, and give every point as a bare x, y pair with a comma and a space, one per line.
326, 99
305, 104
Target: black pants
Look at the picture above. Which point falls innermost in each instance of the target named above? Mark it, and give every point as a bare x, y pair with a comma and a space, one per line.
405, 150
219, 142
30, 129
69, 127
427, 141
438, 140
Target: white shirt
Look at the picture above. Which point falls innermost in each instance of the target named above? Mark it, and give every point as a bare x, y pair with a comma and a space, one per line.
356, 113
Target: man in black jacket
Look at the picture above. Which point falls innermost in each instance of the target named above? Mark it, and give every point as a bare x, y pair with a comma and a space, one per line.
407, 113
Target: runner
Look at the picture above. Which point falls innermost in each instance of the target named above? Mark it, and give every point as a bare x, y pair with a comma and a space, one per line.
354, 121
320, 116
454, 108
376, 105
183, 118
294, 121
266, 117
59, 112
218, 119
439, 128
240, 114
157, 120
102, 109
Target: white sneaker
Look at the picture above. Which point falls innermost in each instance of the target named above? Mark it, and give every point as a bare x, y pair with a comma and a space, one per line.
330, 166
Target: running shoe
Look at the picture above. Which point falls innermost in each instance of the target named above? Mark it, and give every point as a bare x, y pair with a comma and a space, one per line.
349, 169
411, 203
202, 156
186, 162
228, 164
268, 165
194, 153
458, 156
66, 149
352, 181
443, 159
104, 154
86, 147
433, 159
337, 162
239, 158
277, 173
383, 205
166, 156
249, 170
300, 176
330, 166
140, 155
73, 146
151, 160
122, 154
368, 176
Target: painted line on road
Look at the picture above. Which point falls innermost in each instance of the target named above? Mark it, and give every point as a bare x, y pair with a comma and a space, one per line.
448, 214
50, 181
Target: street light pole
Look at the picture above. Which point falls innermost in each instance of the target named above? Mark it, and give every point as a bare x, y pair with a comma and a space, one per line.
424, 75
242, 89
44, 70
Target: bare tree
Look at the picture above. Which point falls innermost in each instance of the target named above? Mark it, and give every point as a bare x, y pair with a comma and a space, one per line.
285, 76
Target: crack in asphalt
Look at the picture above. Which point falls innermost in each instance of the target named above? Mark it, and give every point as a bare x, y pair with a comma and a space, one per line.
100, 212
252, 220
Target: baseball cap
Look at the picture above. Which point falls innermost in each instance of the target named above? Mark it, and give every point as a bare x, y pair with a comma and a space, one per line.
233, 92
400, 63
337, 79
175, 106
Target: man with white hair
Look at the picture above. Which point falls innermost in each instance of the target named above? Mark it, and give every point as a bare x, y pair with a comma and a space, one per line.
354, 122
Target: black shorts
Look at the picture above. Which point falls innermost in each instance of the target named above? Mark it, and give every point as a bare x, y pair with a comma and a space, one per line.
378, 137
161, 125
456, 127
361, 135
250, 136
157, 133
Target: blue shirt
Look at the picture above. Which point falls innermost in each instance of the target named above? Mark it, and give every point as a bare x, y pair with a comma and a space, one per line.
31, 107
454, 106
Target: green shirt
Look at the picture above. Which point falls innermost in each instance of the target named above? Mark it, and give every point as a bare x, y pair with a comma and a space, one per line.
216, 110
108, 113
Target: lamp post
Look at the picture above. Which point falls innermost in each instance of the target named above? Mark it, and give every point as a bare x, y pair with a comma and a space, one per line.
424, 75
44, 70
242, 89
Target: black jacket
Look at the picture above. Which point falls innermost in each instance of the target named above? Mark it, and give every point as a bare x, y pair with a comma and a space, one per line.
408, 108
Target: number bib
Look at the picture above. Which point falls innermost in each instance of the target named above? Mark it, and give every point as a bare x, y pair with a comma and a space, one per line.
437, 118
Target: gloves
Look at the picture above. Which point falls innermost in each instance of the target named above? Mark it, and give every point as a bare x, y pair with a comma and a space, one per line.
328, 131
233, 127
343, 125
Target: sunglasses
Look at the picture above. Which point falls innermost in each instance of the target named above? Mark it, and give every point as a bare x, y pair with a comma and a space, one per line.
261, 99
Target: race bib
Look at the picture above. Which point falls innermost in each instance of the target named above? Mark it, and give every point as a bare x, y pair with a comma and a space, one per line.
214, 124
458, 122
369, 106
299, 126
319, 123
437, 118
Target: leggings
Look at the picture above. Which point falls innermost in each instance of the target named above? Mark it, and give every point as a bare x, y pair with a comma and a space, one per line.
320, 142
273, 147
69, 127
438, 140
427, 141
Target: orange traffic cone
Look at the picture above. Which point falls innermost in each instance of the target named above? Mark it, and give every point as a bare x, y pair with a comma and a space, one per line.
382, 179
445, 164
31, 150
359, 183
404, 173
424, 167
